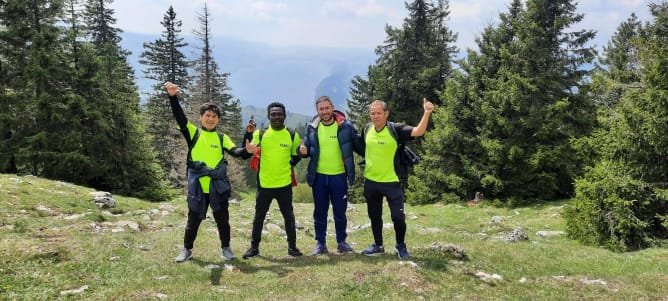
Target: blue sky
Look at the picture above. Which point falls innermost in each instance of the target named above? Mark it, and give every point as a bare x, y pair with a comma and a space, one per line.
343, 23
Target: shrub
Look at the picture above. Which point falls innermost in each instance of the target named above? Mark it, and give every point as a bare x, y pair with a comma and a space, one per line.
613, 209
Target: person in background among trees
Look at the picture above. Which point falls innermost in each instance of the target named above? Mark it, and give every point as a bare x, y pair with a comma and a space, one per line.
250, 128
330, 141
274, 177
208, 184
381, 177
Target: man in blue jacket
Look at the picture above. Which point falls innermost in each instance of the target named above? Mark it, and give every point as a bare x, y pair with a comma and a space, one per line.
330, 141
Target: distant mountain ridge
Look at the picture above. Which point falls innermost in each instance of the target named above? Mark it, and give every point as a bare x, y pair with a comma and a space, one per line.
293, 120
261, 73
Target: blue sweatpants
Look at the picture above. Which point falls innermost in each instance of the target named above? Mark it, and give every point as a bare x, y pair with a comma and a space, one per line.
326, 189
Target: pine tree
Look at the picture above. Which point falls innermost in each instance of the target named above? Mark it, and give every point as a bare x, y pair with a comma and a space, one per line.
621, 201
46, 144
211, 86
118, 142
165, 61
15, 36
507, 120
361, 96
537, 105
415, 60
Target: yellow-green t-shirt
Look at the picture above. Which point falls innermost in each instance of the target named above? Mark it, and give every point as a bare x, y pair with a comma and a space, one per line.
330, 161
208, 150
379, 156
276, 151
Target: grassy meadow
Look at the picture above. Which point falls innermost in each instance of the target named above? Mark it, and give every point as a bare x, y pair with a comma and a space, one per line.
56, 244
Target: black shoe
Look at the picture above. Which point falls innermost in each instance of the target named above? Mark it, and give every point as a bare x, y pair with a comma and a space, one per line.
184, 254
294, 252
252, 252
320, 248
402, 251
373, 250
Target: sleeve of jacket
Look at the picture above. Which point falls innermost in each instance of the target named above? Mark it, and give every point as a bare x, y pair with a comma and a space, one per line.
247, 136
307, 143
358, 141
296, 157
239, 152
177, 111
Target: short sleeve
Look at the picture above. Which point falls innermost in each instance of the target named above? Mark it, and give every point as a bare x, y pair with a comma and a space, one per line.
227, 142
404, 132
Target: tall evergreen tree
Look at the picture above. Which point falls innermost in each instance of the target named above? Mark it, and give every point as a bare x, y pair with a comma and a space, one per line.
165, 61
16, 34
621, 202
100, 20
507, 121
361, 96
45, 144
415, 60
413, 63
119, 145
212, 86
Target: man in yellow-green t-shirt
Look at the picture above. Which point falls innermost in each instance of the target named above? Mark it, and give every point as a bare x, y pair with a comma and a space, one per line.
381, 179
274, 177
208, 184
330, 141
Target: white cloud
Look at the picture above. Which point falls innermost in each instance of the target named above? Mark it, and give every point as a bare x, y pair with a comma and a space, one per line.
468, 18
343, 23
251, 11
357, 8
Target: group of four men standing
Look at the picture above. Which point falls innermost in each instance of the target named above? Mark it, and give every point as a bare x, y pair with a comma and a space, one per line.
330, 142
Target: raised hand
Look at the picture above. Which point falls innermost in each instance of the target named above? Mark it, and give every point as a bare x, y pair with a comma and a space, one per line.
172, 89
427, 105
250, 127
302, 147
250, 147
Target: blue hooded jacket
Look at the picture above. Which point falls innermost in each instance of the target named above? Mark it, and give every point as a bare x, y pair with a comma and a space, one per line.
349, 140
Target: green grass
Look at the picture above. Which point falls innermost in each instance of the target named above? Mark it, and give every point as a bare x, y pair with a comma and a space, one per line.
55, 239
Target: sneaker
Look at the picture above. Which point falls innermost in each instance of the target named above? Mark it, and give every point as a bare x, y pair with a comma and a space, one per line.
373, 249
252, 252
294, 252
344, 247
320, 248
228, 254
184, 254
401, 250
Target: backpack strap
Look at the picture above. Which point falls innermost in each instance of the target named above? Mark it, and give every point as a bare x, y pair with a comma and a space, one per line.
221, 137
393, 131
390, 128
195, 138
193, 141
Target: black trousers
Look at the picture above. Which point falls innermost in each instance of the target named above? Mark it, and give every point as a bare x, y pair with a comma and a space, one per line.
222, 218
263, 198
374, 193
